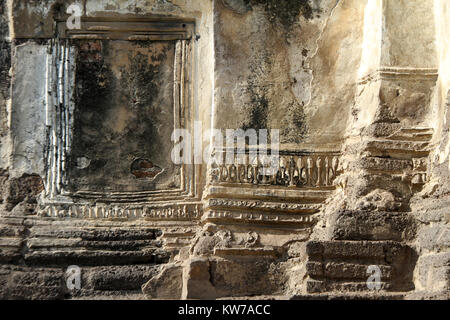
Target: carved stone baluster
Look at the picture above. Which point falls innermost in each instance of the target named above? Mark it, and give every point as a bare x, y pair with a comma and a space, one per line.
255, 169
248, 173
309, 177
291, 171
265, 170
224, 173
275, 162
232, 177
327, 171
319, 163
334, 168
273, 170
301, 170
220, 173
246, 163
214, 173
240, 170
281, 172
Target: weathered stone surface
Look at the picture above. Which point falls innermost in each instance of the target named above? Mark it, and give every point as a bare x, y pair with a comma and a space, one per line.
29, 284
167, 284
432, 271
107, 278
358, 89
24, 189
197, 280
372, 225
345, 265
28, 118
246, 276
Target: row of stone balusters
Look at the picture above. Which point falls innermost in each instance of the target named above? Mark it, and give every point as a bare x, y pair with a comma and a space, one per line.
294, 171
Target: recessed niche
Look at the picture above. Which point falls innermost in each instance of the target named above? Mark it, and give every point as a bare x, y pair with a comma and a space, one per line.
116, 91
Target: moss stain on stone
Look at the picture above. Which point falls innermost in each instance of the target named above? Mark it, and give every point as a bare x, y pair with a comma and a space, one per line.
258, 111
117, 113
258, 108
284, 12
294, 125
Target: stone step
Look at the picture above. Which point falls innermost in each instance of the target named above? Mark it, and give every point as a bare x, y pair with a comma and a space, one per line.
95, 257
113, 295
344, 270
110, 282
397, 148
10, 255
332, 285
372, 295
10, 230
10, 249
360, 250
97, 233
363, 295
122, 245
343, 266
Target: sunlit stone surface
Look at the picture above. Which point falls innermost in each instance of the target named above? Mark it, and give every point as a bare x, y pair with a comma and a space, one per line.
358, 89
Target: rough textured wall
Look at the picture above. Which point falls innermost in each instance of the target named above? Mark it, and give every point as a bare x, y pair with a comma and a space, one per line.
431, 206
360, 92
5, 55
274, 61
117, 255
400, 45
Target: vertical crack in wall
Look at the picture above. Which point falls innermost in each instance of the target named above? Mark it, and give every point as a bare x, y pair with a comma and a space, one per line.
319, 38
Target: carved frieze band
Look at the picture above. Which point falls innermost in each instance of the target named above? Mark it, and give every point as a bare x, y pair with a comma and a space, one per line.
132, 29
188, 211
264, 205
259, 217
313, 170
389, 73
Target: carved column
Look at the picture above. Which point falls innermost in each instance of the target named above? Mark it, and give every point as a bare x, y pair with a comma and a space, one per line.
387, 146
390, 128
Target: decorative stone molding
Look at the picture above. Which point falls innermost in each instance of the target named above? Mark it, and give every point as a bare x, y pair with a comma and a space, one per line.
185, 211
305, 170
278, 219
60, 111
392, 73
261, 205
130, 28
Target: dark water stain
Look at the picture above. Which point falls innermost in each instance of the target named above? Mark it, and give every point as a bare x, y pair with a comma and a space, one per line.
140, 86
5, 82
116, 118
294, 124
259, 108
284, 12
93, 98
5, 53
138, 82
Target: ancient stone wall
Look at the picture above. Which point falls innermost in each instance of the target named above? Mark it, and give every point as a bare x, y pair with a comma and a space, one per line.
358, 90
